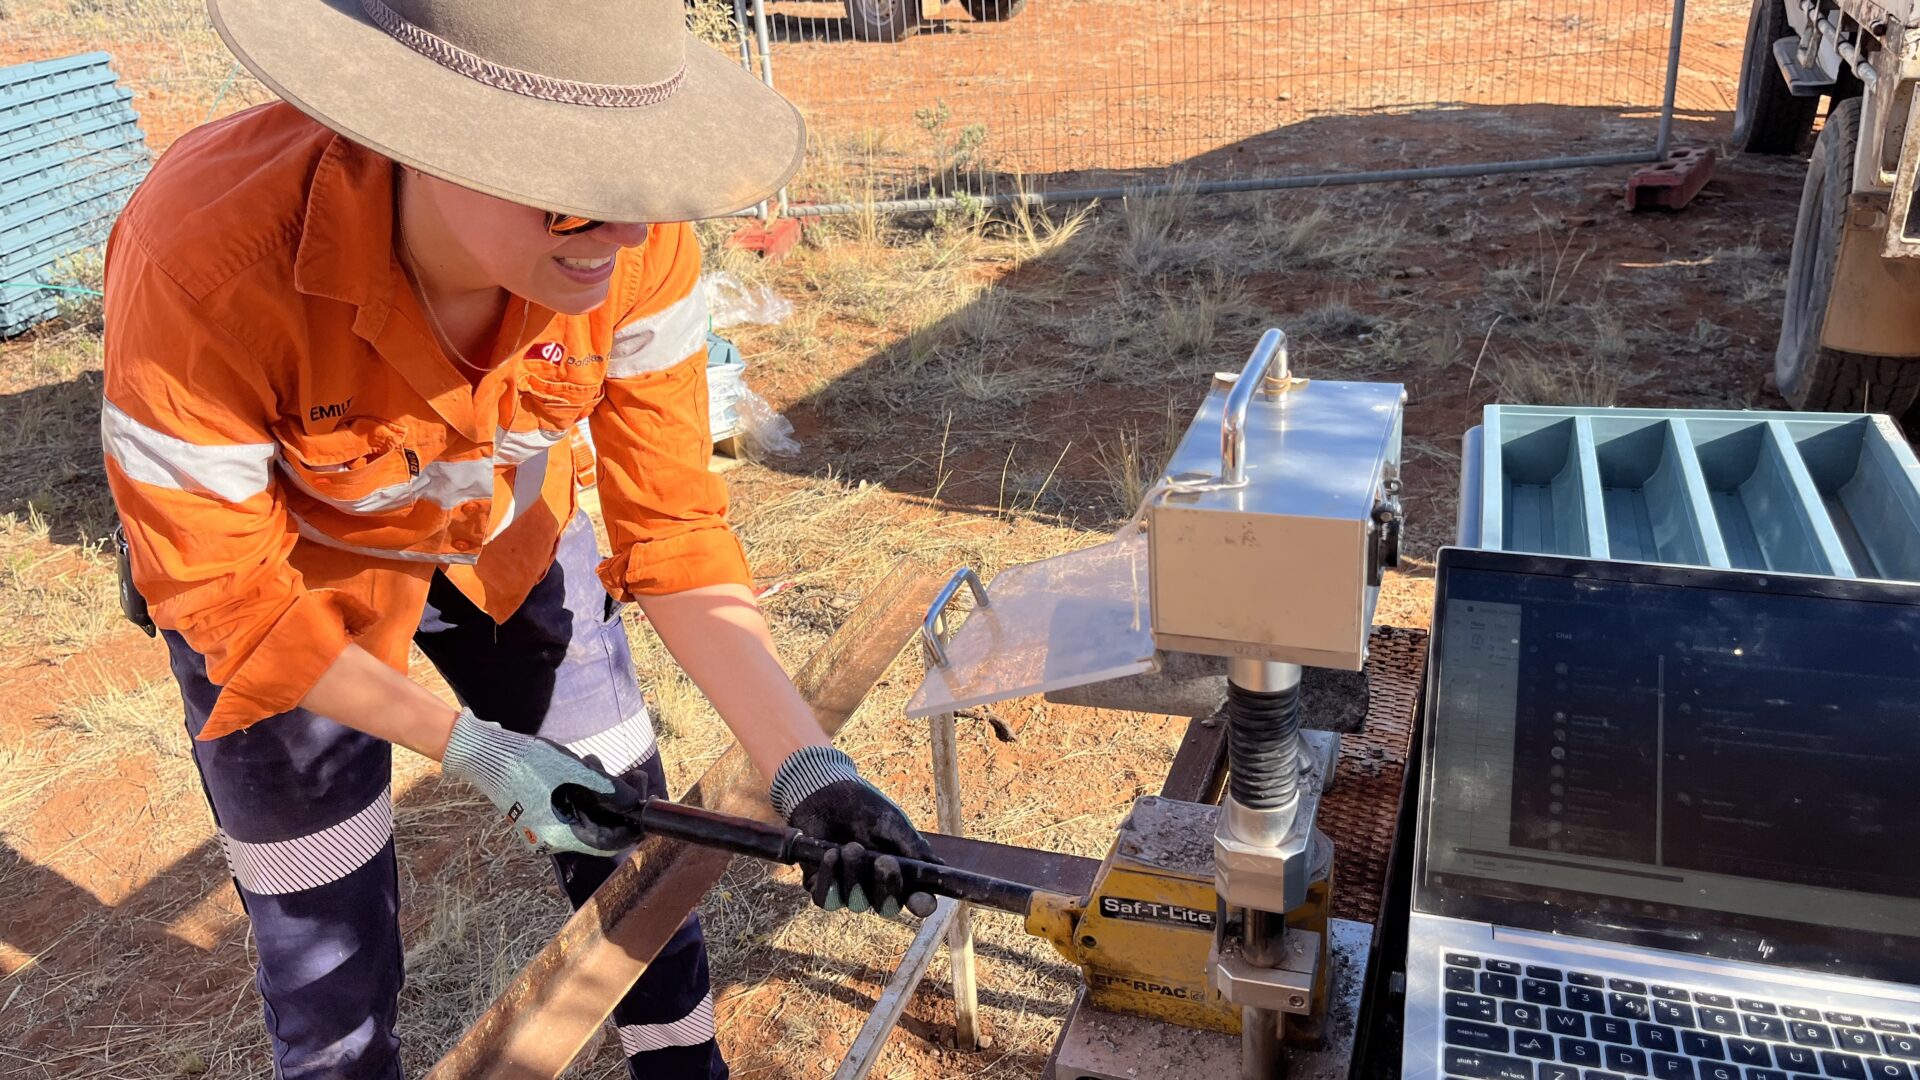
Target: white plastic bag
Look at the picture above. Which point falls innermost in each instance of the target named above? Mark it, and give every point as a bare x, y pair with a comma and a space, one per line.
731, 302
765, 432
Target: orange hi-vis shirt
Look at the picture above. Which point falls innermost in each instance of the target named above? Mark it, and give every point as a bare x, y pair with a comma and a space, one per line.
293, 456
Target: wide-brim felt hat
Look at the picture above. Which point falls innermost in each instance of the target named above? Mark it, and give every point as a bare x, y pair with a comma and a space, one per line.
605, 109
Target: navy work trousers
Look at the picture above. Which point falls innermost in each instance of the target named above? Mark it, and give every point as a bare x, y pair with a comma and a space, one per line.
304, 810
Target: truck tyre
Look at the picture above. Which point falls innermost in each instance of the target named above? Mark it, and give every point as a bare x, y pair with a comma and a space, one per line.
1767, 118
1809, 376
883, 20
993, 10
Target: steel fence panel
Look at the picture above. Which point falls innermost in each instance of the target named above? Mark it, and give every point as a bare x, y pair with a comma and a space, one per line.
1076, 99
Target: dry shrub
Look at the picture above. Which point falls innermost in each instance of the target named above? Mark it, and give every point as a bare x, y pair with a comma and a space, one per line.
1532, 377
1135, 458
1157, 241
1189, 324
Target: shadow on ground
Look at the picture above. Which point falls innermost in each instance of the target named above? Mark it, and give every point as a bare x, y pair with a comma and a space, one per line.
1055, 388
50, 463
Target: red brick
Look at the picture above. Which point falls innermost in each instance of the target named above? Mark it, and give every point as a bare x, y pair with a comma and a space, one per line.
773, 242
1672, 183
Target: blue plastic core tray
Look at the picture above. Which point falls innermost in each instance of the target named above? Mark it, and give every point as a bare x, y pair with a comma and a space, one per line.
1812, 493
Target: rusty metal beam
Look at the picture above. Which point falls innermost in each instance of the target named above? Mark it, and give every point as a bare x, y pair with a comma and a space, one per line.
1050, 871
1199, 769
537, 1025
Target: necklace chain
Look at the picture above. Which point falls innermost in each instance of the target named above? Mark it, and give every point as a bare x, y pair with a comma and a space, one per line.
433, 317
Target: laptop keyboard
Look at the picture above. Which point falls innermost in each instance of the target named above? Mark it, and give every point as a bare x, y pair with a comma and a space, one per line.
1506, 1020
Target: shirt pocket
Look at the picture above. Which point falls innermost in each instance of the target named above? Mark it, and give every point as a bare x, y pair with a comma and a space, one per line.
556, 404
361, 467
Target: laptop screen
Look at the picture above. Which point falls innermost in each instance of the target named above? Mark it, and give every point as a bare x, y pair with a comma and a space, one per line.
1716, 762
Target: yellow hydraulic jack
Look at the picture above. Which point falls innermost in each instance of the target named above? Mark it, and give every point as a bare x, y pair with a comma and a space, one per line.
1150, 932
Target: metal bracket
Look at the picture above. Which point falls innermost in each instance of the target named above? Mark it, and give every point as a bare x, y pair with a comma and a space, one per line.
1802, 81
932, 629
1286, 988
1275, 877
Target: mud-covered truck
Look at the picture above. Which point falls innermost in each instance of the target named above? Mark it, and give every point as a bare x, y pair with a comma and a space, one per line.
1850, 332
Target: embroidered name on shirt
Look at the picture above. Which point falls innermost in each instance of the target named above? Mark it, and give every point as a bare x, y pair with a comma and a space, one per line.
328, 412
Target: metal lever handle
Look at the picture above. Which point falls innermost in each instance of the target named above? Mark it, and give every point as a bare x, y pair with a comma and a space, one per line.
1269, 360
782, 844
930, 627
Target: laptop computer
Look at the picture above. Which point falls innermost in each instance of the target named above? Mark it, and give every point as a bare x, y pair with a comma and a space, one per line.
1669, 825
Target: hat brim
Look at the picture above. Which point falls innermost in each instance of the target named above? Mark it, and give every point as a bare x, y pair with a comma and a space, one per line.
723, 142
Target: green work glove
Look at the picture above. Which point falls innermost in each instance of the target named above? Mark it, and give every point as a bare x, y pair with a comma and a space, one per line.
819, 792
521, 775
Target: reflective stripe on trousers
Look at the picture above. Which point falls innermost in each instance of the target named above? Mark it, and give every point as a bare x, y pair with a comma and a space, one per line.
304, 810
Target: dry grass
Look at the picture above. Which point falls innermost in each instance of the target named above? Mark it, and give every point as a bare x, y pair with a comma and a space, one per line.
1190, 323
1532, 377
1539, 286
712, 22
1135, 458
56, 580
1157, 239
53, 599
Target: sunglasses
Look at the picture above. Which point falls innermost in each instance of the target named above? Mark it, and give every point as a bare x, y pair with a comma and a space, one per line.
569, 224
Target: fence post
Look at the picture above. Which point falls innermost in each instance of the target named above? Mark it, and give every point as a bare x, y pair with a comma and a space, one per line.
1673, 78
746, 62
766, 76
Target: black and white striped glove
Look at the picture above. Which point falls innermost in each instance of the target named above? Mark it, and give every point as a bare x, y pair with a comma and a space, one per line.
818, 791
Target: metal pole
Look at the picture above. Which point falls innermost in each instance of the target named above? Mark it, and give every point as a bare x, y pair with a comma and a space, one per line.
766, 72
1263, 934
946, 795
1673, 78
887, 1011
746, 62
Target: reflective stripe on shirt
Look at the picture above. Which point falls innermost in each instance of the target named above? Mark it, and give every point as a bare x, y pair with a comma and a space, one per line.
658, 341
235, 472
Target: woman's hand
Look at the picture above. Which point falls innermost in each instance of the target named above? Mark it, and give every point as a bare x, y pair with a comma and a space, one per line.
818, 790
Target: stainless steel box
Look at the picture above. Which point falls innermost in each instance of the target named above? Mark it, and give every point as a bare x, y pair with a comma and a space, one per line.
1285, 566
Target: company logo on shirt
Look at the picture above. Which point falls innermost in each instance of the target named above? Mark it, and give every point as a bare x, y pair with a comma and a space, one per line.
555, 353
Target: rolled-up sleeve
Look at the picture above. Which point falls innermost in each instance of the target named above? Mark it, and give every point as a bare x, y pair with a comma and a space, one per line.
189, 458
666, 513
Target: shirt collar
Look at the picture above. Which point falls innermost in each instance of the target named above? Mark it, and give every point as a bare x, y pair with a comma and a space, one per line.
346, 239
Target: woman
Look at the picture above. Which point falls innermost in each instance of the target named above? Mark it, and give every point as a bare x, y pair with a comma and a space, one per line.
348, 337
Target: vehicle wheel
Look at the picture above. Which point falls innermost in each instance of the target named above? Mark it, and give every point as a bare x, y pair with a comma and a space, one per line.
883, 20
1767, 118
993, 10
1809, 376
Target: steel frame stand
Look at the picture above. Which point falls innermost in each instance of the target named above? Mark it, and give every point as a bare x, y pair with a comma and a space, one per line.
950, 919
